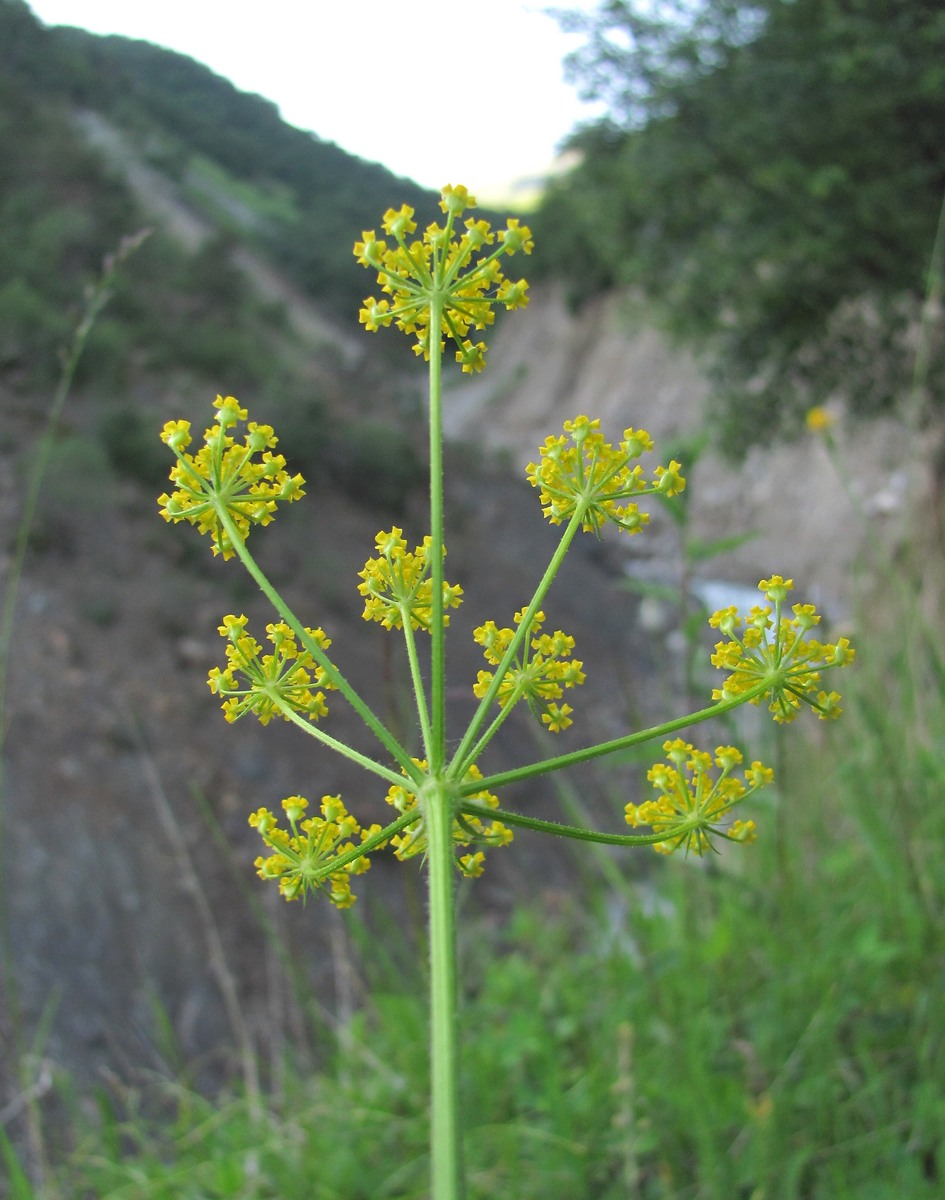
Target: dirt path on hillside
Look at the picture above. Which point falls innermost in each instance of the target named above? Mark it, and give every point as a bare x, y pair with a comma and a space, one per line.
163, 202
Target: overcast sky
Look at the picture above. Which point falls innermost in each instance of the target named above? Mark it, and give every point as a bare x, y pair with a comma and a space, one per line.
440, 91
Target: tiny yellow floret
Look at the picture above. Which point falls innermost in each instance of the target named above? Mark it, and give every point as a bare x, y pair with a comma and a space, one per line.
819, 420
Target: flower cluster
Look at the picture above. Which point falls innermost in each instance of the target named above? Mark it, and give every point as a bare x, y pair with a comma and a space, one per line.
451, 269
583, 473
768, 648
468, 829
243, 481
300, 859
820, 420
543, 670
287, 680
397, 585
691, 805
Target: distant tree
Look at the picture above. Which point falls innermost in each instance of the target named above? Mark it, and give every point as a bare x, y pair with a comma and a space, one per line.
23, 41
771, 173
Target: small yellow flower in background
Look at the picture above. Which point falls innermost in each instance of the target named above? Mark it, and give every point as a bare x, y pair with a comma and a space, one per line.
582, 472
452, 268
246, 481
765, 646
691, 804
299, 857
467, 829
544, 669
283, 680
397, 585
819, 420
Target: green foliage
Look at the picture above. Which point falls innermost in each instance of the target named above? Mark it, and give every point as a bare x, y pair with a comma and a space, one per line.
175, 315
18, 1185
236, 201
22, 38
61, 212
771, 174
375, 463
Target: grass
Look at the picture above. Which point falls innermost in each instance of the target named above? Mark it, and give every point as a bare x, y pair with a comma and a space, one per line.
769, 1028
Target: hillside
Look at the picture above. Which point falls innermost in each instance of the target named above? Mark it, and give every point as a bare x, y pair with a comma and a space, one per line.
293, 194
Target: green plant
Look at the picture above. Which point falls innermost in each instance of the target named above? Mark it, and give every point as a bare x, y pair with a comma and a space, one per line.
437, 289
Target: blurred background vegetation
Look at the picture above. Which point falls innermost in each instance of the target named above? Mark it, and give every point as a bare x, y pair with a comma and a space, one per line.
770, 177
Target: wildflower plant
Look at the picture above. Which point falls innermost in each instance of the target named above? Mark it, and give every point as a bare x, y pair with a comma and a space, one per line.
441, 288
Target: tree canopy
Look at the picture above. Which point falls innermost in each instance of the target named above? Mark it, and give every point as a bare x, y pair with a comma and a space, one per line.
771, 173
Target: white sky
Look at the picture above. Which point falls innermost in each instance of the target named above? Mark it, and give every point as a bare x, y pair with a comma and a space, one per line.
441, 91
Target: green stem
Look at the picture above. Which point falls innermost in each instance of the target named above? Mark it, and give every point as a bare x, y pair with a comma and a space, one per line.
373, 722
446, 1175
464, 756
559, 830
491, 782
369, 843
339, 747
423, 714
437, 631
436, 801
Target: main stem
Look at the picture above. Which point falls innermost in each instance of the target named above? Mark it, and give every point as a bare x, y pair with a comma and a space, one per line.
446, 1171
437, 631
436, 800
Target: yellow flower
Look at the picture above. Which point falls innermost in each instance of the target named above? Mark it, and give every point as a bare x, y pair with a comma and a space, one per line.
287, 679
450, 268
581, 472
691, 805
819, 420
301, 859
245, 481
543, 669
767, 647
397, 586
